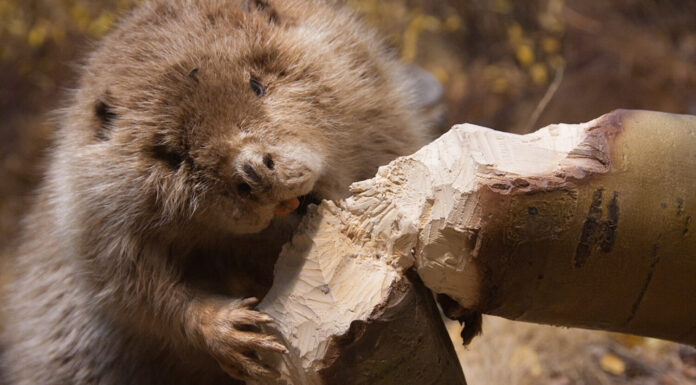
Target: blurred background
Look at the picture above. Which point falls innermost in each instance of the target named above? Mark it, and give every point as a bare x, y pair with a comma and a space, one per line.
510, 65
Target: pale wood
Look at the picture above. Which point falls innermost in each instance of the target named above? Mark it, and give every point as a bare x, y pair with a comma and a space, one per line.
349, 316
578, 225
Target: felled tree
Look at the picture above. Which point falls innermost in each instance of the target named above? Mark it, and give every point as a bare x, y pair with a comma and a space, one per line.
583, 225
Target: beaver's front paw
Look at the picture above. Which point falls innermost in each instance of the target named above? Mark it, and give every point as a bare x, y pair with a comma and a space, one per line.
232, 336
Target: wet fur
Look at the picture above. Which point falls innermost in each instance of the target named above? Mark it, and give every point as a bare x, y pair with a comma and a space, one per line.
149, 228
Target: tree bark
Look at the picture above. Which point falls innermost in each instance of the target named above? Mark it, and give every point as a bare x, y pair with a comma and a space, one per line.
583, 225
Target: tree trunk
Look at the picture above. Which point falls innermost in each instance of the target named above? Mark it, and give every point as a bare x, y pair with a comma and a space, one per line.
583, 225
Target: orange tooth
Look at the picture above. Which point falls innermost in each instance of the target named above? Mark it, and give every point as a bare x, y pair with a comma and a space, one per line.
286, 208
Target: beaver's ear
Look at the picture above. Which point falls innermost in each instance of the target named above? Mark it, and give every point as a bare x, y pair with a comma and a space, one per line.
264, 7
105, 116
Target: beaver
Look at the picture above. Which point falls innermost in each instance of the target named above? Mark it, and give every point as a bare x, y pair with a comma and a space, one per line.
156, 226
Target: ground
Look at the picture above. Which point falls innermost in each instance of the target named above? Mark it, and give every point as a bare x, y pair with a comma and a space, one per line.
509, 65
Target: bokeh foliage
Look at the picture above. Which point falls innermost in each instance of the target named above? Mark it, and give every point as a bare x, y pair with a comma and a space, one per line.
496, 57
40, 39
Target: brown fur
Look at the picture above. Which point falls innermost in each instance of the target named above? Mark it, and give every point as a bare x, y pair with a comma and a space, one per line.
192, 121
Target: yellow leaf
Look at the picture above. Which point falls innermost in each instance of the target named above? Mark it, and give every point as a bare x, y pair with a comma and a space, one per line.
79, 16
99, 26
612, 364
627, 340
496, 79
411, 37
539, 74
440, 74
37, 36
431, 23
525, 55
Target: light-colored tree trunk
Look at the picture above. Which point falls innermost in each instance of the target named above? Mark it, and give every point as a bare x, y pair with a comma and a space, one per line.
583, 225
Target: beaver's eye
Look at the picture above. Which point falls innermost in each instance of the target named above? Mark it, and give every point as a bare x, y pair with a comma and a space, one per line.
106, 115
257, 88
171, 157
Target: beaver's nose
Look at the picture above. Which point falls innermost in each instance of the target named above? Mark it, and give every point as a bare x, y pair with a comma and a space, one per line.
250, 167
256, 170
250, 173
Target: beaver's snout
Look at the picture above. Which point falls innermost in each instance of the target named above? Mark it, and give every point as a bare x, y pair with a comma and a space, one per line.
257, 173
274, 175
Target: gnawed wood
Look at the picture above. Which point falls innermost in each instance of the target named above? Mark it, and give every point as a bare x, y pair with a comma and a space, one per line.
583, 225
350, 317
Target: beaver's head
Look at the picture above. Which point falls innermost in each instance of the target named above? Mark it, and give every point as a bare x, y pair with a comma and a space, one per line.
214, 112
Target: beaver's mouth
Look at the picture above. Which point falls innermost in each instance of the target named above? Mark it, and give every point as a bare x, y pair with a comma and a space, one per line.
306, 200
